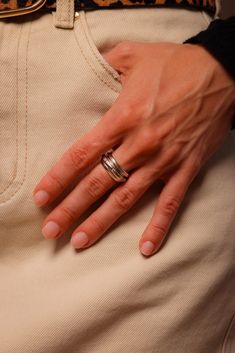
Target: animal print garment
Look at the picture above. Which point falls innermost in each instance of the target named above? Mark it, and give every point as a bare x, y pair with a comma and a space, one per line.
207, 5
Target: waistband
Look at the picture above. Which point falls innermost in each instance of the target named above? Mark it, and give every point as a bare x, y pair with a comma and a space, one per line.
9, 8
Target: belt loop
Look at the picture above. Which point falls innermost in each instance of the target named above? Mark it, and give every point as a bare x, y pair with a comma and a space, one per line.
218, 9
64, 15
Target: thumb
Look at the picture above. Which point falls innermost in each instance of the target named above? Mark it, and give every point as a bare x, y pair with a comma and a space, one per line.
120, 57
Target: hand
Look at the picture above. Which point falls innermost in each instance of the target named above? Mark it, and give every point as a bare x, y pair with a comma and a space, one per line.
174, 111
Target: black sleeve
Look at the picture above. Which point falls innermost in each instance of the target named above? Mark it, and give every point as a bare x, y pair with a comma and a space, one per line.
219, 40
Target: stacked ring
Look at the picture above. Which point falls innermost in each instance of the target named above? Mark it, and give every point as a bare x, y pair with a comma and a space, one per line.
113, 167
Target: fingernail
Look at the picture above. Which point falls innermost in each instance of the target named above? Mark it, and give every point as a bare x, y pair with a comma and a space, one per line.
50, 230
147, 248
79, 240
41, 197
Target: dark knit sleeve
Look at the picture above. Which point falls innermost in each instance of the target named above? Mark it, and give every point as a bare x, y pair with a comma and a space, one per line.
219, 40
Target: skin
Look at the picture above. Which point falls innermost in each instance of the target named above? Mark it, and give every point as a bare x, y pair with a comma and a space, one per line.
178, 102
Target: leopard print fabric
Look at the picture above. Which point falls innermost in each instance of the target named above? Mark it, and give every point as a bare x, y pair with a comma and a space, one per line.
207, 5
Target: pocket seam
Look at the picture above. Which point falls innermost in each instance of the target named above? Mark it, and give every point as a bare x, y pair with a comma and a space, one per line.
97, 58
105, 65
22, 178
16, 120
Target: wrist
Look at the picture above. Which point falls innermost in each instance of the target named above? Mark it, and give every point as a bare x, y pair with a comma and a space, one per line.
221, 77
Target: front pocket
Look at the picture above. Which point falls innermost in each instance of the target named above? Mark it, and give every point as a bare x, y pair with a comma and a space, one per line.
13, 107
102, 69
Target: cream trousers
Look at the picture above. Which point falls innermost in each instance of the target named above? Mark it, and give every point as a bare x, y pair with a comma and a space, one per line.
55, 86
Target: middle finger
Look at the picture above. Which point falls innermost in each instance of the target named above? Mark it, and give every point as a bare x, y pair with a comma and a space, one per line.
88, 191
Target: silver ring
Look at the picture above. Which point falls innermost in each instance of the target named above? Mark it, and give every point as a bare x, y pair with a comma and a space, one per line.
114, 169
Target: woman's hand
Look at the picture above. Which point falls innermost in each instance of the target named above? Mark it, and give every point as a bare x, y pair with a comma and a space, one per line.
174, 111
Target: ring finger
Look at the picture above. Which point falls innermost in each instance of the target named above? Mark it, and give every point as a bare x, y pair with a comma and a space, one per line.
90, 189
117, 204
120, 201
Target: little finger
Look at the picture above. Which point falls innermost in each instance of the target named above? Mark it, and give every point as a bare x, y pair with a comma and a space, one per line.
117, 204
167, 206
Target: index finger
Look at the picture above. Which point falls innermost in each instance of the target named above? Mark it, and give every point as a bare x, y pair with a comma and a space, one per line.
77, 158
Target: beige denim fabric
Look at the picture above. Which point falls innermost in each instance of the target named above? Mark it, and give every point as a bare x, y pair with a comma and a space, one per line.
55, 86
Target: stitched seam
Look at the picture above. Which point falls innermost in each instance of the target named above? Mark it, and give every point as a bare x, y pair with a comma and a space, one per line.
26, 120
69, 19
205, 18
227, 335
87, 61
93, 51
59, 9
64, 11
16, 113
66, 18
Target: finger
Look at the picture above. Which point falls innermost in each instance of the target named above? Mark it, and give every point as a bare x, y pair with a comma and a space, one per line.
90, 189
120, 201
167, 206
117, 204
122, 55
72, 163
87, 192
87, 150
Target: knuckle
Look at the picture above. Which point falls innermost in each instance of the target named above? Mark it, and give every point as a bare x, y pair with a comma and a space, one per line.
158, 229
148, 140
130, 114
78, 156
125, 48
56, 180
196, 163
124, 198
97, 225
171, 206
160, 136
69, 213
95, 187
126, 111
